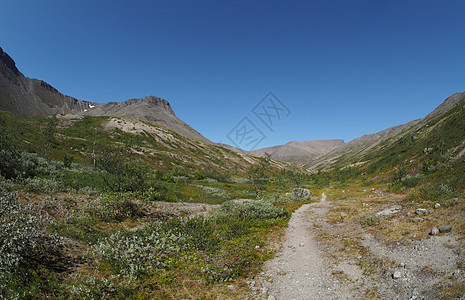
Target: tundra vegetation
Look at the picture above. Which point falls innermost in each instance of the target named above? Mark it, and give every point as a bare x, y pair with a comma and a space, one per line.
85, 215
88, 212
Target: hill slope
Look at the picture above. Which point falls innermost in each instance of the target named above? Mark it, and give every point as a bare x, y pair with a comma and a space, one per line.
416, 135
31, 97
300, 152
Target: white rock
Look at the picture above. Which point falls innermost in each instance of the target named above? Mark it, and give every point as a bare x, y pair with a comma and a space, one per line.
437, 205
434, 231
396, 275
421, 211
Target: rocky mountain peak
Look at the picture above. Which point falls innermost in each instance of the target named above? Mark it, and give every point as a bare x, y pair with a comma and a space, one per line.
153, 102
8, 62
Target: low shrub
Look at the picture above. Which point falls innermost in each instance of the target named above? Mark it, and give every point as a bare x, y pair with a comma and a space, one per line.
369, 220
437, 191
215, 192
42, 185
259, 209
114, 207
135, 254
25, 247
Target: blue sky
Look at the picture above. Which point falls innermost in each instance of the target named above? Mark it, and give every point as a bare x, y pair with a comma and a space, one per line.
342, 68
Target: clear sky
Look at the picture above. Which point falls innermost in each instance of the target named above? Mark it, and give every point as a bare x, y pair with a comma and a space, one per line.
342, 68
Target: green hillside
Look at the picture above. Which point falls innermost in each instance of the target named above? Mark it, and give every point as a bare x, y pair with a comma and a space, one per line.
104, 208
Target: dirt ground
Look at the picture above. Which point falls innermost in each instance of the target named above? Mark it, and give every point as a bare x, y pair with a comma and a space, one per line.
372, 247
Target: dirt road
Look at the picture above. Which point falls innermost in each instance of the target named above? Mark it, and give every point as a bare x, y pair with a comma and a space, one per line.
301, 271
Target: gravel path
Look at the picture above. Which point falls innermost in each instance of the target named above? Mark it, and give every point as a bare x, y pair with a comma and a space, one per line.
300, 270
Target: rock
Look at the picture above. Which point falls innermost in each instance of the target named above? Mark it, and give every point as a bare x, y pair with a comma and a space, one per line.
445, 228
417, 219
396, 275
301, 193
421, 211
301, 245
434, 231
389, 211
437, 205
401, 265
343, 215
231, 287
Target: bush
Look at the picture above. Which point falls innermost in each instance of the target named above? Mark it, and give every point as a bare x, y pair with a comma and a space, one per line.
215, 192
42, 185
24, 245
369, 220
437, 191
114, 207
134, 254
251, 210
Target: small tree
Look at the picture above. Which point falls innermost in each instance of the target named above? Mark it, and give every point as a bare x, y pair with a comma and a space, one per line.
258, 174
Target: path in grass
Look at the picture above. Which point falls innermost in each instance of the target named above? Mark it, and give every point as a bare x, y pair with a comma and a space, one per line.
300, 270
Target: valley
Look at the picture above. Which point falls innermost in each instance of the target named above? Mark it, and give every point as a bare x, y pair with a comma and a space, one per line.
123, 200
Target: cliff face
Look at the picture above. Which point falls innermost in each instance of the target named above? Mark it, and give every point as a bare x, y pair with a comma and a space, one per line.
31, 97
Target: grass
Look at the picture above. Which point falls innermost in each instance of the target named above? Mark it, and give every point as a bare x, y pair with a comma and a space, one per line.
107, 219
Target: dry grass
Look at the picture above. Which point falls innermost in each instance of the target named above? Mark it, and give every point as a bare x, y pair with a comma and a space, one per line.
454, 291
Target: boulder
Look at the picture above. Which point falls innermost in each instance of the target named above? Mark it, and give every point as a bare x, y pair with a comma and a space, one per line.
421, 211
445, 228
301, 193
434, 231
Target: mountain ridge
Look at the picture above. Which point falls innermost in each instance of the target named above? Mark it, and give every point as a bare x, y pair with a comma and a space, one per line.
299, 152
33, 97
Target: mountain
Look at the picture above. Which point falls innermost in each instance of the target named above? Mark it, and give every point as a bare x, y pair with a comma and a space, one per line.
421, 133
152, 109
300, 152
31, 97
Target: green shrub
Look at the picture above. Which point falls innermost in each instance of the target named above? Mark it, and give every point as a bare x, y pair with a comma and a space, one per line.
251, 210
437, 191
114, 207
24, 246
215, 192
134, 254
369, 220
120, 173
410, 181
42, 185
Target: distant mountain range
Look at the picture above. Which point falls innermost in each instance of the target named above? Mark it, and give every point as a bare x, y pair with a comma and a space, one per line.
32, 97
300, 152
316, 155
